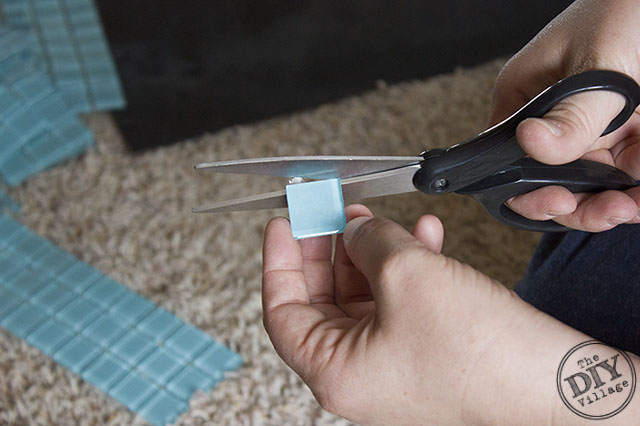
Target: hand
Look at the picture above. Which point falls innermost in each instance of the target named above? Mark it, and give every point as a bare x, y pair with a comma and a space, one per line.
590, 34
393, 332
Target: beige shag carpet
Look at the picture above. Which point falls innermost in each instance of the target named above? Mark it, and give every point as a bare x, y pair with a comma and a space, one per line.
130, 216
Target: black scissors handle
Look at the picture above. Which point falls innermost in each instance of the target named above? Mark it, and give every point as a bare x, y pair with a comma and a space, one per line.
487, 167
528, 174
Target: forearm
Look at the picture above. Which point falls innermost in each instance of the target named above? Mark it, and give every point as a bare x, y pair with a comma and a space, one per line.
515, 381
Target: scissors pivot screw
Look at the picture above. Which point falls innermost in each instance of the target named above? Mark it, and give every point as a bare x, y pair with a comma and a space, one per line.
440, 184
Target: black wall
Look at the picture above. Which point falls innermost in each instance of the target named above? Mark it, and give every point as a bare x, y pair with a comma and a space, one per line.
190, 66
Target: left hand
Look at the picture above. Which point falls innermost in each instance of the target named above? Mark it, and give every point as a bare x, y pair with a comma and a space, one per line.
393, 332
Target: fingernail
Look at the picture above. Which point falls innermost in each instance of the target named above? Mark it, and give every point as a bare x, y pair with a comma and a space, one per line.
352, 226
551, 125
616, 220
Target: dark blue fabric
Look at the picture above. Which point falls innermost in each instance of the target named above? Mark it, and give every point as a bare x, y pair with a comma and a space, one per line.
590, 282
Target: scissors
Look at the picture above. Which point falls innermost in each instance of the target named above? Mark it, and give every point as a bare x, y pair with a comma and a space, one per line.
490, 167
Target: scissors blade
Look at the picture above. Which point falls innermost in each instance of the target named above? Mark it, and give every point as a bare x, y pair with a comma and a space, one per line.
389, 182
312, 166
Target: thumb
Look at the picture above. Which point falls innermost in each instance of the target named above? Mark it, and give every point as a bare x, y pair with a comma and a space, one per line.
571, 128
387, 255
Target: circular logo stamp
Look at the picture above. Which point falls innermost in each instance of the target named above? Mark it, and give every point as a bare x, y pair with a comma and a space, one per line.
596, 381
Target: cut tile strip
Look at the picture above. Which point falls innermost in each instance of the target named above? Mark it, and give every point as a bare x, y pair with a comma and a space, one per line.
37, 127
140, 354
72, 43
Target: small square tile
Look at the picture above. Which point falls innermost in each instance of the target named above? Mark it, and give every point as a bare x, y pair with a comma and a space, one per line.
104, 371
77, 353
217, 357
54, 260
11, 230
316, 208
53, 297
79, 276
104, 330
23, 320
8, 227
79, 313
8, 302
191, 379
27, 282
10, 265
131, 308
31, 246
49, 336
163, 408
159, 324
105, 291
188, 341
133, 346
132, 390
160, 365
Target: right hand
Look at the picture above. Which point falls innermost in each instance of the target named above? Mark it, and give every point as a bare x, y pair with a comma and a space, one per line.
590, 34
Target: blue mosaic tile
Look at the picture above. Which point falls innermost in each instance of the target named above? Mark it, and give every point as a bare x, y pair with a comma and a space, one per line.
188, 341
104, 330
112, 337
54, 260
52, 298
38, 129
8, 227
27, 282
190, 379
217, 357
10, 264
131, 308
23, 319
159, 324
316, 208
79, 313
79, 276
133, 390
50, 336
133, 346
31, 246
77, 53
105, 292
77, 353
161, 365
104, 371
163, 408
8, 303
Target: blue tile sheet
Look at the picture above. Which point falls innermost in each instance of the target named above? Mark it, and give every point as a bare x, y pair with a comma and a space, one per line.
138, 353
73, 46
37, 128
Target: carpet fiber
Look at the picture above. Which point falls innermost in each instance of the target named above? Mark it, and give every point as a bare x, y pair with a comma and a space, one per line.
130, 216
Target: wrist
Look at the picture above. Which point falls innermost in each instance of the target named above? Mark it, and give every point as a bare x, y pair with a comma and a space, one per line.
515, 380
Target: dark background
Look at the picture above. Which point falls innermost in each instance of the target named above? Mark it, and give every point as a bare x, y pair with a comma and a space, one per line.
191, 66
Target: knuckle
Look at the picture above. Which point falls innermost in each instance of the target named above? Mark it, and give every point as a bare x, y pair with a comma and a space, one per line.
395, 265
573, 117
370, 227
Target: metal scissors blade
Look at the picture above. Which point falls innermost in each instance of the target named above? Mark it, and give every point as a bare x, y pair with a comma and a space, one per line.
311, 166
387, 182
